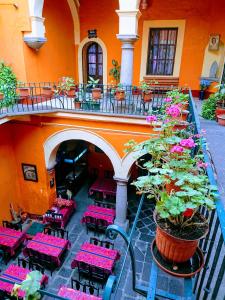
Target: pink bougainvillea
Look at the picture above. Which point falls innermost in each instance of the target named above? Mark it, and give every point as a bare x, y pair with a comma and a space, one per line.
201, 164
187, 143
176, 149
173, 111
168, 99
151, 119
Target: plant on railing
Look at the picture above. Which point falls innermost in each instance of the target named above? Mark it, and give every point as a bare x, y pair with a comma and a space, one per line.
8, 83
176, 181
30, 286
120, 92
115, 71
145, 87
65, 86
96, 92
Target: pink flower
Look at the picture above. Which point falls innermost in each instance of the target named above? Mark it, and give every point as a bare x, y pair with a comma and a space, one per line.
168, 99
173, 111
151, 119
198, 135
203, 131
201, 164
187, 143
177, 149
177, 97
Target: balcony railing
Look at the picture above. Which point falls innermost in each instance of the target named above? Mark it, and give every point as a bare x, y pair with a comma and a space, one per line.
36, 97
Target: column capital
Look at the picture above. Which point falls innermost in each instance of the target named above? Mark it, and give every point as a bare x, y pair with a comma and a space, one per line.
127, 38
121, 181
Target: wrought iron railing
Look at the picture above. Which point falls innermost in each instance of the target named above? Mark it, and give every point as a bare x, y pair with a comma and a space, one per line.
36, 97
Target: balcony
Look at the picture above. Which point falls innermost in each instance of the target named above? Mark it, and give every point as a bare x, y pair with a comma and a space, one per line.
34, 98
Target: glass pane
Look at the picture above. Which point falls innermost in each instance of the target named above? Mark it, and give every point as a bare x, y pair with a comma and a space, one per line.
91, 58
170, 52
162, 52
100, 70
92, 48
172, 37
169, 67
163, 36
92, 69
100, 58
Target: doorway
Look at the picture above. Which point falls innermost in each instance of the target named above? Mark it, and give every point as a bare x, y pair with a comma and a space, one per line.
93, 62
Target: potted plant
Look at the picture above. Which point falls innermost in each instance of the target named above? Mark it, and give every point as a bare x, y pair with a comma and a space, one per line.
177, 97
146, 91
136, 91
179, 223
115, 71
1, 96
66, 86
77, 103
30, 286
47, 91
120, 92
204, 84
96, 92
22, 90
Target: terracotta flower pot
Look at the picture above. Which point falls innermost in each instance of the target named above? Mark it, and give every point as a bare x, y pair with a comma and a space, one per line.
96, 93
185, 106
120, 95
47, 91
1, 96
221, 119
71, 92
220, 111
175, 249
77, 105
23, 92
147, 96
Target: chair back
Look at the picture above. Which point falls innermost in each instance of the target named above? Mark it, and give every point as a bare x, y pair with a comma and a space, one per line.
90, 220
107, 244
10, 225
91, 289
95, 241
57, 232
22, 262
77, 285
98, 273
102, 224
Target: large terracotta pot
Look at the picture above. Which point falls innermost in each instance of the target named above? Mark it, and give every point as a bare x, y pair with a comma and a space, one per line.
173, 249
120, 95
147, 96
77, 105
220, 111
221, 119
47, 91
23, 92
71, 92
1, 96
96, 93
185, 106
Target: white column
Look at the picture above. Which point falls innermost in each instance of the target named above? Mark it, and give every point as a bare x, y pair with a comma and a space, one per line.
121, 203
126, 72
128, 34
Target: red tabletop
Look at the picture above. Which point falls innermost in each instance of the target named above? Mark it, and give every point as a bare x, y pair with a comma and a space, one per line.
103, 210
96, 256
16, 274
75, 295
105, 186
11, 238
109, 219
48, 244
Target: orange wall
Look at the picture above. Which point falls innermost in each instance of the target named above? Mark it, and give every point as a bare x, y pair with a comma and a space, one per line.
9, 186
56, 58
26, 146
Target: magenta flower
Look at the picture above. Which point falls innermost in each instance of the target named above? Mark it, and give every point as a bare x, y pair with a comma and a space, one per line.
201, 164
173, 111
151, 119
176, 149
168, 99
187, 143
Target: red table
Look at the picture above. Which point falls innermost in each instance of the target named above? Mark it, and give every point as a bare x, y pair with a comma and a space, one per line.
101, 213
48, 244
96, 256
11, 239
75, 295
105, 186
66, 213
16, 274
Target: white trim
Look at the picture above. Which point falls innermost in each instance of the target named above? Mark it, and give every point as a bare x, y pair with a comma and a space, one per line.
128, 161
76, 21
129, 4
53, 142
80, 58
180, 24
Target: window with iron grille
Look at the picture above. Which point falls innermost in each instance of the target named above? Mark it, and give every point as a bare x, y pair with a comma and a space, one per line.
161, 51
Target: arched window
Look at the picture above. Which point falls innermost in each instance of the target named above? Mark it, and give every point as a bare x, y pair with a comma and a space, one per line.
95, 62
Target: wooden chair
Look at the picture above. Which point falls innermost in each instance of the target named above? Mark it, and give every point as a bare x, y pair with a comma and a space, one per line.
16, 226
91, 223
91, 290
4, 295
83, 270
77, 285
4, 255
101, 225
42, 259
95, 241
30, 265
57, 232
107, 244
98, 274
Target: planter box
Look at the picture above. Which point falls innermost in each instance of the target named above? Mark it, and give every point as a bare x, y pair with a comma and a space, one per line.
221, 120
91, 105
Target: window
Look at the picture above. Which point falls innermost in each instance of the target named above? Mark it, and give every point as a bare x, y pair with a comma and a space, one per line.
161, 51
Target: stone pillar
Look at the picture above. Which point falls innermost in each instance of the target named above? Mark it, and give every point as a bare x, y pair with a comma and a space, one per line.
128, 28
121, 203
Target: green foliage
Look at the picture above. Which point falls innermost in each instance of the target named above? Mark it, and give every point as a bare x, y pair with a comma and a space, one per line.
115, 71
92, 83
30, 285
8, 83
209, 107
65, 84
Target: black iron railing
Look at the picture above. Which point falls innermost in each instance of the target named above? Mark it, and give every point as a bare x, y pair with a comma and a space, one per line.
36, 97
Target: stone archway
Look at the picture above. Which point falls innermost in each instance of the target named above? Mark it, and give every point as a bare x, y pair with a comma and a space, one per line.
52, 144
